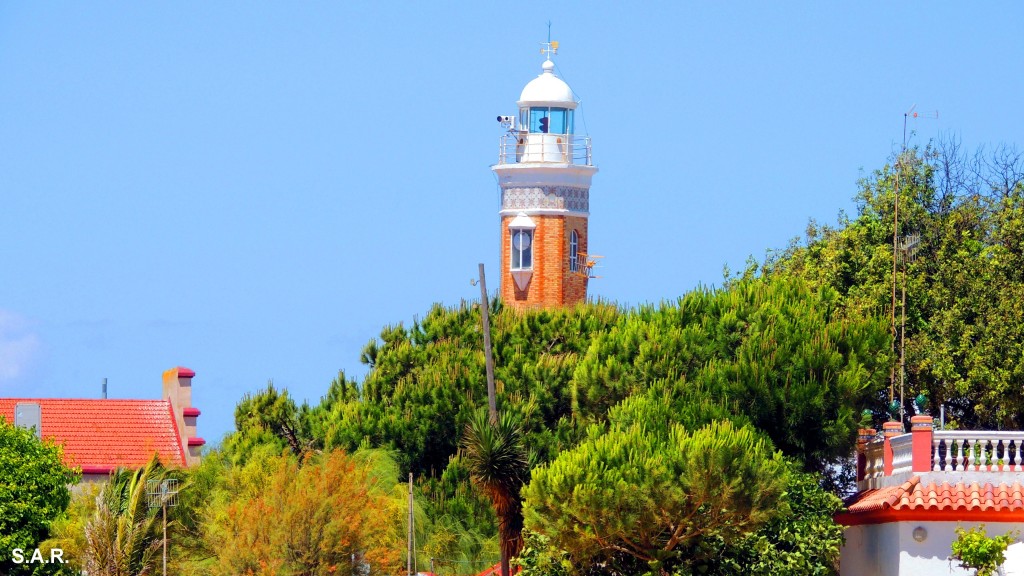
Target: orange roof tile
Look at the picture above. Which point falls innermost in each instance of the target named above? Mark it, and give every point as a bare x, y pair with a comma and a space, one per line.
913, 500
101, 435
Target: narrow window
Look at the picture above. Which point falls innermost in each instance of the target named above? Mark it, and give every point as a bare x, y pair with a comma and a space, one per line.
539, 119
557, 123
522, 250
574, 250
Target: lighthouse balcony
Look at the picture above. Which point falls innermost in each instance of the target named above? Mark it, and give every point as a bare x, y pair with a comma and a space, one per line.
534, 147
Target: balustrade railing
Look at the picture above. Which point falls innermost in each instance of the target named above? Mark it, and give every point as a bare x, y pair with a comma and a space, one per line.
875, 467
927, 450
977, 451
902, 453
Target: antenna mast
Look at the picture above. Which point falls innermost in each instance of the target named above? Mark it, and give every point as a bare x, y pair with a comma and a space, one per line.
907, 249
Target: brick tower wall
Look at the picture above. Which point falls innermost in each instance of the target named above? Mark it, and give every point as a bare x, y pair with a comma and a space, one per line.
552, 284
575, 289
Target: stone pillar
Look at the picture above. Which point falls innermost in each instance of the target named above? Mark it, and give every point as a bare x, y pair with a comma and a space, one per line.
864, 435
921, 428
889, 429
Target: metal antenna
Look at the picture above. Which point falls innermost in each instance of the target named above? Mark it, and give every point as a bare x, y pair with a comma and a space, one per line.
933, 115
905, 114
908, 252
161, 494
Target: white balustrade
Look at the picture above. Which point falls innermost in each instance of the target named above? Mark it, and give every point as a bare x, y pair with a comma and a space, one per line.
902, 453
977, 450
875, 463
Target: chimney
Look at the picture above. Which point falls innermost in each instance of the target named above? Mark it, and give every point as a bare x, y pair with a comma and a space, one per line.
177, 388
104, 389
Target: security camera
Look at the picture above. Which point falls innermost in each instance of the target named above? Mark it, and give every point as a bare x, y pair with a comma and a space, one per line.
509, 121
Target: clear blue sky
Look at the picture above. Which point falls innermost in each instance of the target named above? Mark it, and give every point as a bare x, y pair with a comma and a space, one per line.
253, 190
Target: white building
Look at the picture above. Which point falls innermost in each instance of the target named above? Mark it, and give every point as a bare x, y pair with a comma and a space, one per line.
915, 489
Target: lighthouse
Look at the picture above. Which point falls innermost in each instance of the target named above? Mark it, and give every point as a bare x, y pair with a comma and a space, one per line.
544, 172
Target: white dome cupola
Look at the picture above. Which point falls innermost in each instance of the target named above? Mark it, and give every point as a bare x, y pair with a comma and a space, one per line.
547, 89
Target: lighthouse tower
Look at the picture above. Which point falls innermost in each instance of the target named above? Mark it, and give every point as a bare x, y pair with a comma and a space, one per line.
544, 171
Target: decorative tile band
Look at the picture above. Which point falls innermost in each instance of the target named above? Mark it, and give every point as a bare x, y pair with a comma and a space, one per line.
546, 198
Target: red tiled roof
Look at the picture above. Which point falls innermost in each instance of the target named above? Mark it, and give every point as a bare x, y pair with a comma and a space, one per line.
913, 500
101, 435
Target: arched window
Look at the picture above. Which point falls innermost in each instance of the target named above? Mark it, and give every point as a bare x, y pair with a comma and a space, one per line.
574, 252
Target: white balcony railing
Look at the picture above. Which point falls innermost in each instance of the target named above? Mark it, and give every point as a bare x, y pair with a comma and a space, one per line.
531, 147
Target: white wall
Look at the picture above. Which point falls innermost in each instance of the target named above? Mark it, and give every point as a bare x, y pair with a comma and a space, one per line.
890, 549
870, 550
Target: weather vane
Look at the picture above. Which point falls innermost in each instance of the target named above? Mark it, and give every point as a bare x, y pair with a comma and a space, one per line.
549, 48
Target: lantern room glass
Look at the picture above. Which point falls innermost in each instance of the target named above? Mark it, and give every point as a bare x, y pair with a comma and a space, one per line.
559, 120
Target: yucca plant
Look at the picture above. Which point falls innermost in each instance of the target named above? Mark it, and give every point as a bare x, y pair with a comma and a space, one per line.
498, 466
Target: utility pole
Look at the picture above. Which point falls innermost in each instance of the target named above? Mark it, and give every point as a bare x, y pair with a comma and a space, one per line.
165, 535
408, 563
492, 402
892, 309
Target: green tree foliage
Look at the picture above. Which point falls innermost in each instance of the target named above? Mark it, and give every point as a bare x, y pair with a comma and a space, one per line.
426, 381
776, 352
462, 536
269, 416
33, 491
540, 558
640, 496
800, 540
964, 290
977, 551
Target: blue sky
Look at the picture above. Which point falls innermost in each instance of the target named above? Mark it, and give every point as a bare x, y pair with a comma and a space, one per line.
253, 190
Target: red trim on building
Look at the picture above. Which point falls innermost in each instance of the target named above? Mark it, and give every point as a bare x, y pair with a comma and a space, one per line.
196, 441
97, 470
185, 372
190, 412
174, 422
